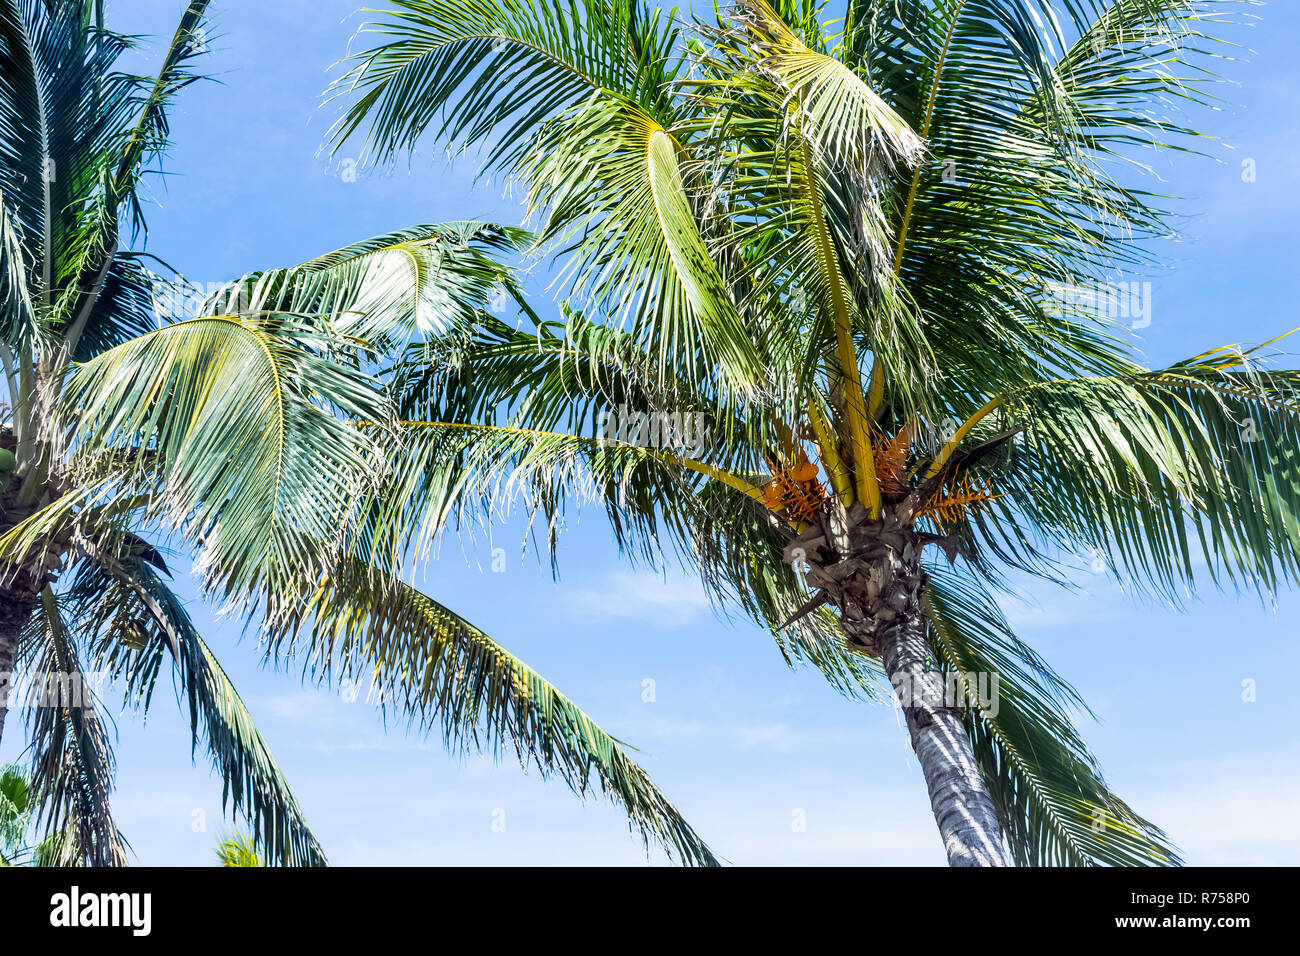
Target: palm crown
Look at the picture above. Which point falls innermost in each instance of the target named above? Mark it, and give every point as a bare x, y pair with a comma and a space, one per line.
866, 259
248, 435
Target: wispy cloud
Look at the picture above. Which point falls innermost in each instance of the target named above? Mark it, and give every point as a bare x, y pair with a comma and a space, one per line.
658, 601
1230, 811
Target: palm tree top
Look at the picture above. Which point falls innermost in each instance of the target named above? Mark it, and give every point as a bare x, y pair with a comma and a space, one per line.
244, 436
881, 260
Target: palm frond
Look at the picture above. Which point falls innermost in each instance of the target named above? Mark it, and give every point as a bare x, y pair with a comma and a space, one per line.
235, 431
17, 311
626, 219
1053, 804
72, 757
119, 597
433, 668
238, 850
423, 281
494, 72
1157, 470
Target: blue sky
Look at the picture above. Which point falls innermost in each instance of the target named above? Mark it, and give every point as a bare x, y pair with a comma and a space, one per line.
739, 742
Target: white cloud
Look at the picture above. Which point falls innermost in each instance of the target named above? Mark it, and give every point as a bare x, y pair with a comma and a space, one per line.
1235, 811
658, 601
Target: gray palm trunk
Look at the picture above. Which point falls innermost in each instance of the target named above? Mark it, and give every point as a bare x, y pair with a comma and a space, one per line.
16, 605
959, 796
871, 570
20, 588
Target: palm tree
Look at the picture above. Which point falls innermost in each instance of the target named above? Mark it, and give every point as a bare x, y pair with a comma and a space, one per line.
15, 807
18, 813
241, 434
872, 261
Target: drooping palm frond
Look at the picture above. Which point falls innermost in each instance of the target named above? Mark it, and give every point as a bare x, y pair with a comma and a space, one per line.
434, 669
1052, 801
119, 597
524, 418
451, 472
235, 431
581, 378
1161, 470
577, 415
17, 311
72, 757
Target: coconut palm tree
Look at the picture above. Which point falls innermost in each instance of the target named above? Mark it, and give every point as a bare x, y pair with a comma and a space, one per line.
873, 263
240, 432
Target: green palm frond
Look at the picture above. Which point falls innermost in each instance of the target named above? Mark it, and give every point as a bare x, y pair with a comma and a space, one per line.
433, 668
234, 430
149, 136
119, 597
848, 122
496, 71
1157, 470
238, 850
577, 378
17, 311
75, 137
422, 281
625, 215
452, 473
449, 472
72, 756
1022, 191
1052, 801
15, 811
114, 174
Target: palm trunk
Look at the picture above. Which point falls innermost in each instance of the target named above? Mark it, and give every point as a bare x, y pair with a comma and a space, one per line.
16, 607
959, 797
871, 570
